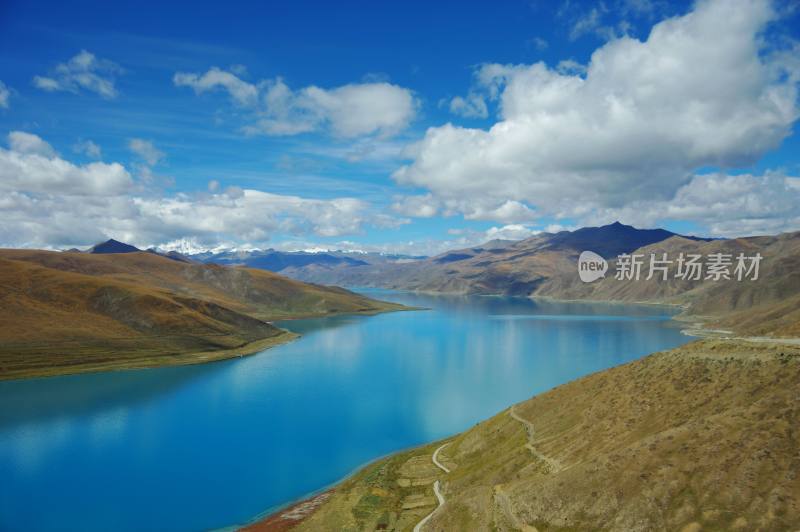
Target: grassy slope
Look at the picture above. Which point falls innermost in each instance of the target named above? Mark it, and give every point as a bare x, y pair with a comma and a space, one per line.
71, 312
769, 305
699, 437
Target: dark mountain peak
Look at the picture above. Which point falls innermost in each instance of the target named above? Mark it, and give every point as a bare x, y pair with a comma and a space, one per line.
608, 240
113, 246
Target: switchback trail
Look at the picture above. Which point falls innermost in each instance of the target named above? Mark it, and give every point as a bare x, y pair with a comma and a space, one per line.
436, 491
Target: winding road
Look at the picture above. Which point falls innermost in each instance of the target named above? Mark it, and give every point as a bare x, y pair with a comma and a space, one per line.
436, 491
552, 463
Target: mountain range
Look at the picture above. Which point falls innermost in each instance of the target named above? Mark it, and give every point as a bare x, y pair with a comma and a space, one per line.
545, 265
498, 267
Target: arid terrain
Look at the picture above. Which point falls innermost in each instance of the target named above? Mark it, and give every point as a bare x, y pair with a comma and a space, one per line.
497, 267
63, 312
544, 266
703, 437
767, 305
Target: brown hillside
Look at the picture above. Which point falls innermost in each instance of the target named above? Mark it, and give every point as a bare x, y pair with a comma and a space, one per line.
71, 312
702, 437
769, 304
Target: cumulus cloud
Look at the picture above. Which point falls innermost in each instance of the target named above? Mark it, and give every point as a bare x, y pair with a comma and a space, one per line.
83, 71
428, 205
511, 232
48, 201
30, 165
727, 205
246, 215
5, 95
146, 150
29, 144
352, 110
471, 106
422, 206
570, 66
699, 91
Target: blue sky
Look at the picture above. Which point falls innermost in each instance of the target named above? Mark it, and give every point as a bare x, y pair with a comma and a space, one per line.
339, 112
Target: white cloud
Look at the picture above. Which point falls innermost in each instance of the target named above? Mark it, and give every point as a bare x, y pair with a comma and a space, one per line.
247, 215
473, 106
30, 165
88, 148
427, 205
83, 71
609, 19
727, 205
48, 201
5, 95
699, 91
423, 206
29, 144
511, 232
146, 150
242, 92
509, 211
570, 67
352, 110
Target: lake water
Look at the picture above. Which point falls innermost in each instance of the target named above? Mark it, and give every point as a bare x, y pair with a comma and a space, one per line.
201, 447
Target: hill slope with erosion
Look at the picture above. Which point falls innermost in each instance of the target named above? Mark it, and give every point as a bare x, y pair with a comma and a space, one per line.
768, 305
75, 312
702, 437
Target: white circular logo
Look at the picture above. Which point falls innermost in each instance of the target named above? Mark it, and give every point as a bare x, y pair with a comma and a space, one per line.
591, 266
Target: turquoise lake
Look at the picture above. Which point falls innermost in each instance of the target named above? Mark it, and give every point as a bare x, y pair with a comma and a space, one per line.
209, 446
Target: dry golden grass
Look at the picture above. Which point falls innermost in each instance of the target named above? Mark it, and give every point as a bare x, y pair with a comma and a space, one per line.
703, 437
768, 305
73, 312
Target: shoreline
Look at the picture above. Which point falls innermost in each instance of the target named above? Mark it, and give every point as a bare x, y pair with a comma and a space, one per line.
177, 359
695, 329
271, 520
289, 516
190, 358
275, 511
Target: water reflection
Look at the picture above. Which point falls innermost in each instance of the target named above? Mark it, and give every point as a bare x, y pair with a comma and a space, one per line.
208, 446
